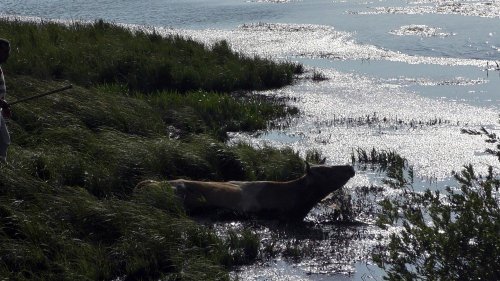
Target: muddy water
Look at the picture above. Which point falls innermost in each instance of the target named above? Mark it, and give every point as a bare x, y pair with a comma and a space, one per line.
400, 75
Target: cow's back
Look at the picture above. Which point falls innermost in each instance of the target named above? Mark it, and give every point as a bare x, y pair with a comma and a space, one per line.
201, 195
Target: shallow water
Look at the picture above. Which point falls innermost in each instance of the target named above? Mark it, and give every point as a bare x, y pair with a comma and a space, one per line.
402, 75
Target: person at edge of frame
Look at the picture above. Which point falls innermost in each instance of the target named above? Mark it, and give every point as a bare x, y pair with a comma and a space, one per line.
6, 113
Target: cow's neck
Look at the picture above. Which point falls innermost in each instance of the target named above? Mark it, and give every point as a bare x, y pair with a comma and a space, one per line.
310, 193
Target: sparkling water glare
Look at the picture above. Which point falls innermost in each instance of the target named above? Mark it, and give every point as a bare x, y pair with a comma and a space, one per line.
487, 9
434, 150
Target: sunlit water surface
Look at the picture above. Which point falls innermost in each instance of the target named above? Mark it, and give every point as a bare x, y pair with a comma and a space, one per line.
405, 76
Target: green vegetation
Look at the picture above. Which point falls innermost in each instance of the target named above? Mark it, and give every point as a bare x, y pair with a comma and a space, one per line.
68, 209
106, 142
451, 235
381, 160
318, 76
92, 54
243, 248
220, 113
65, 233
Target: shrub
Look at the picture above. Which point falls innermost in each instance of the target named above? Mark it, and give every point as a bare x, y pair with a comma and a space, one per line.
445, 236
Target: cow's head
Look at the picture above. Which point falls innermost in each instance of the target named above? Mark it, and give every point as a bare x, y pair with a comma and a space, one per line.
327, 178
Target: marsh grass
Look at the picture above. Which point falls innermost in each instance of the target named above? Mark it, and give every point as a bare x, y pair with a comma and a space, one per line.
381, 160
270, 163
218, 113
95, 53
353, 206
384, 123
314, 156
68, 208
243, 247
317, 76
67, 204
106, 142
66, 234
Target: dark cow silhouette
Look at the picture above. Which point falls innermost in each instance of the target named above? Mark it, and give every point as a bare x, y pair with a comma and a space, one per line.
290, 200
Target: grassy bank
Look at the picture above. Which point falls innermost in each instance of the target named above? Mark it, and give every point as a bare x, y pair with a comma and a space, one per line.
106, 142
67, 201
67, 206
90, 54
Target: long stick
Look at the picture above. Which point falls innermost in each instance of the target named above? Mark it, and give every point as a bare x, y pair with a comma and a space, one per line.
42, 95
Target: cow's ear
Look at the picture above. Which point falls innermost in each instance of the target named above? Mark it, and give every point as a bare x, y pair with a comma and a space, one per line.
322, 162
308, 168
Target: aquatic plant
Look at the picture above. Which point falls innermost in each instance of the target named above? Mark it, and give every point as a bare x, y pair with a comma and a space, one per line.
352, 206
383, 123
318, 76
293, 250
382, 159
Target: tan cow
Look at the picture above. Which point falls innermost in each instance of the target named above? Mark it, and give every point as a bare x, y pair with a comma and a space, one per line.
290, 200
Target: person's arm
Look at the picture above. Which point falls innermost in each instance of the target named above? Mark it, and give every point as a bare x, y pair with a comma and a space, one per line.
6, 112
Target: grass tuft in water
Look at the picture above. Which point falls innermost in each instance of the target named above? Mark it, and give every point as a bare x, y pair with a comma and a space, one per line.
318, 76
243, 247
314, 156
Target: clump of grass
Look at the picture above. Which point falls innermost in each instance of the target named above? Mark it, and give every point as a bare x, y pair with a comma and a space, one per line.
269, 163
344, 211
101, 52
292, 250
243, 247
383, 159
359, 204
399, 172
314, 156
297, 249
318, 76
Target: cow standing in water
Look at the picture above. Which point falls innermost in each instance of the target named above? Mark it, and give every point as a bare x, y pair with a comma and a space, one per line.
290, 200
